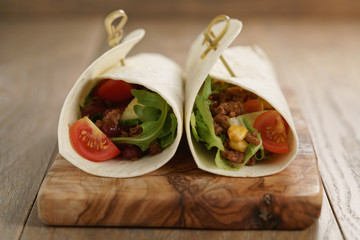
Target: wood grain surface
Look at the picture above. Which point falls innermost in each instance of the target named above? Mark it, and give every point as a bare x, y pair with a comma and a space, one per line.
180, 195
30, 104
326, 74
325, 228
41, 58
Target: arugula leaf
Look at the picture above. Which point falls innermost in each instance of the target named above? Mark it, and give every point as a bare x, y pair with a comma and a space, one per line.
168, 131
156, 126
130, 122
204, 121
147, 113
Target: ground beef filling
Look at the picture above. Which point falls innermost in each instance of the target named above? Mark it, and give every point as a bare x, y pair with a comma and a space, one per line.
228, 104
107, 116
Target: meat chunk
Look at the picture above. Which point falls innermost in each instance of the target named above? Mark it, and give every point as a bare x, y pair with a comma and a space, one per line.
131, 152
252, 138
231, 109
222, 121
218, 128
112, 117
134, 131
233, 155
154, 148
251, 162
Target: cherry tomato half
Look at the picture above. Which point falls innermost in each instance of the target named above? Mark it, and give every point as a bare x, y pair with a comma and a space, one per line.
115, 91
253, 105
92, 144
273, 132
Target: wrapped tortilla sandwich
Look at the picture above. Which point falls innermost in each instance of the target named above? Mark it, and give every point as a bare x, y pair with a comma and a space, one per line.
123, 120
237, 120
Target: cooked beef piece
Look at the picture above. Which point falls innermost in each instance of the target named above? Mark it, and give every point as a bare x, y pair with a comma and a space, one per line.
230, 102
214, 104
222, 120
252, 138
251, 162
131, 152
99, 124
218, 128
231, 109
134, 131
229, 94
110, 123
154, 148
112, 116
233, 155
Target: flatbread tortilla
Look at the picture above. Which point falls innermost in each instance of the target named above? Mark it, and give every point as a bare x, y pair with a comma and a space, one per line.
254, 73
153, 71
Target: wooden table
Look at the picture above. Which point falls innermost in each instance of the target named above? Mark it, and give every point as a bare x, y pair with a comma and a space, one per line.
41, 58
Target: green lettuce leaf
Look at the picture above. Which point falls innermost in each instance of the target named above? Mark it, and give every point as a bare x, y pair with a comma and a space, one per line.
223, 163
251, 150
203, 128
159, 121
193, 127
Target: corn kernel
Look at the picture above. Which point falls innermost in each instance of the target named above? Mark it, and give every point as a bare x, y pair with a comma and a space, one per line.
239, 146
237, 133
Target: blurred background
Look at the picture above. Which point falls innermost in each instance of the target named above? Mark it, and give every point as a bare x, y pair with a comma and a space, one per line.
189, 8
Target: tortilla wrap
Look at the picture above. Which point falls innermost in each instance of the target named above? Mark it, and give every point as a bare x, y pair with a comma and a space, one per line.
152, 71
254, 73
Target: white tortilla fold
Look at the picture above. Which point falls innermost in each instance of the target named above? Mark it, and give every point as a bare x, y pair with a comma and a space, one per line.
254, 73
152, 71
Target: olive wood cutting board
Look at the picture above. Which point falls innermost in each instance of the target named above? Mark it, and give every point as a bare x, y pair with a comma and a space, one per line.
181, 195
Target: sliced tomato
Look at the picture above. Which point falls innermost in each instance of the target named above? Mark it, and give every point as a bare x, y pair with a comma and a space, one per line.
273, 132
253, 105
92, 144
115, 91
